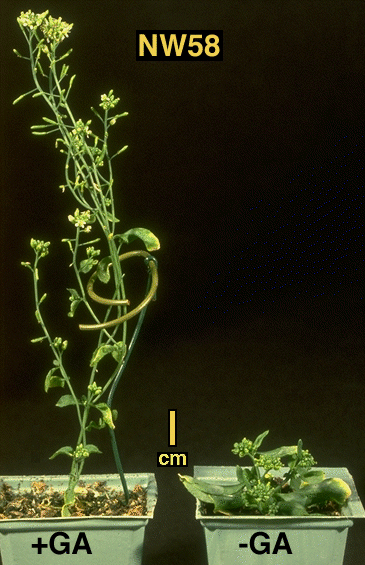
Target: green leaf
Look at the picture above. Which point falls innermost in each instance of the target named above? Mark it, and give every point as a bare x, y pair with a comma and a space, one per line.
295, 483
103, 272
243, 476
74, 294
117, 350
93, 424
65, 513
75, 301
313, 476
74, 304
225, 504
205, 489
111, 217
106, 414
66, 400
292, 507
99, 353
332, 489
191, 485
92, 448
149, 239
283, 451
258, 441
224, 497
87, 264
67, 450
53, 380
300, 449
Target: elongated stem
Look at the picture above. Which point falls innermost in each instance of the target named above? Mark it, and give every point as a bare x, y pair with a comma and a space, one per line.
90, 181
55, 351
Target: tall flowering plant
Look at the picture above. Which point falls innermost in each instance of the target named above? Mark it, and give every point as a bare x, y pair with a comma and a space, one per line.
89, 178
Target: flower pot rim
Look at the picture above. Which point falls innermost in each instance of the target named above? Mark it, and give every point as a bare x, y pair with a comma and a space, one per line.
227, 474
146, 480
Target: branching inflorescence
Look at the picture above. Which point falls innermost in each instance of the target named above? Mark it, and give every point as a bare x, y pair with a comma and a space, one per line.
89, 178
298, 491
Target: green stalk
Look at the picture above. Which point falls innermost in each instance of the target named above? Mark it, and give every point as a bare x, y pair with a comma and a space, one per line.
92, 189
57, 355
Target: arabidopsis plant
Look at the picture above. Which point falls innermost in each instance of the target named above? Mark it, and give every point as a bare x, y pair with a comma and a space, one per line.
89, 178
299, 490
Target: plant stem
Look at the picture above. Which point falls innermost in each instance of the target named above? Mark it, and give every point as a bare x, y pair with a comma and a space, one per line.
90, 181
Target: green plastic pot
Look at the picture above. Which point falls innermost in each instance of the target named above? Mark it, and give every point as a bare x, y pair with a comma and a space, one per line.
288, 540
116, 540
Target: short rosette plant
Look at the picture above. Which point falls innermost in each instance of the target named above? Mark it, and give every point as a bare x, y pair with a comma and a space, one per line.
298, 491
89, 178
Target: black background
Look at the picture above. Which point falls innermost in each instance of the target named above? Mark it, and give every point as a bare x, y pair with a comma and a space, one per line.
250, 172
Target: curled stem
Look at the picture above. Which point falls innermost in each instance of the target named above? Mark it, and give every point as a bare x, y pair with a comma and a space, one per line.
108, 301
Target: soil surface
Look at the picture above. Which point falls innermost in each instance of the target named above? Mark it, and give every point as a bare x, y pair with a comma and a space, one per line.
330, 509
94, 499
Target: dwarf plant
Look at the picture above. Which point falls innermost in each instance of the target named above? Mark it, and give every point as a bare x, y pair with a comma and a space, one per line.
298, 491
89, 178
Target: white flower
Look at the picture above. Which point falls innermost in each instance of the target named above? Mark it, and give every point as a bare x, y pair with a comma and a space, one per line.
81, 219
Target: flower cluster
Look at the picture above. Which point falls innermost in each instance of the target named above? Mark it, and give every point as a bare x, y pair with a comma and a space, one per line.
92, 252
82, 129
58, 342
78, 133
297, 491
306, 460
82, 219
261, 491
260, 496
95, 389
54, 30
81, 452
243, 447
31, 20
268, 463
40, 247
108, 101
